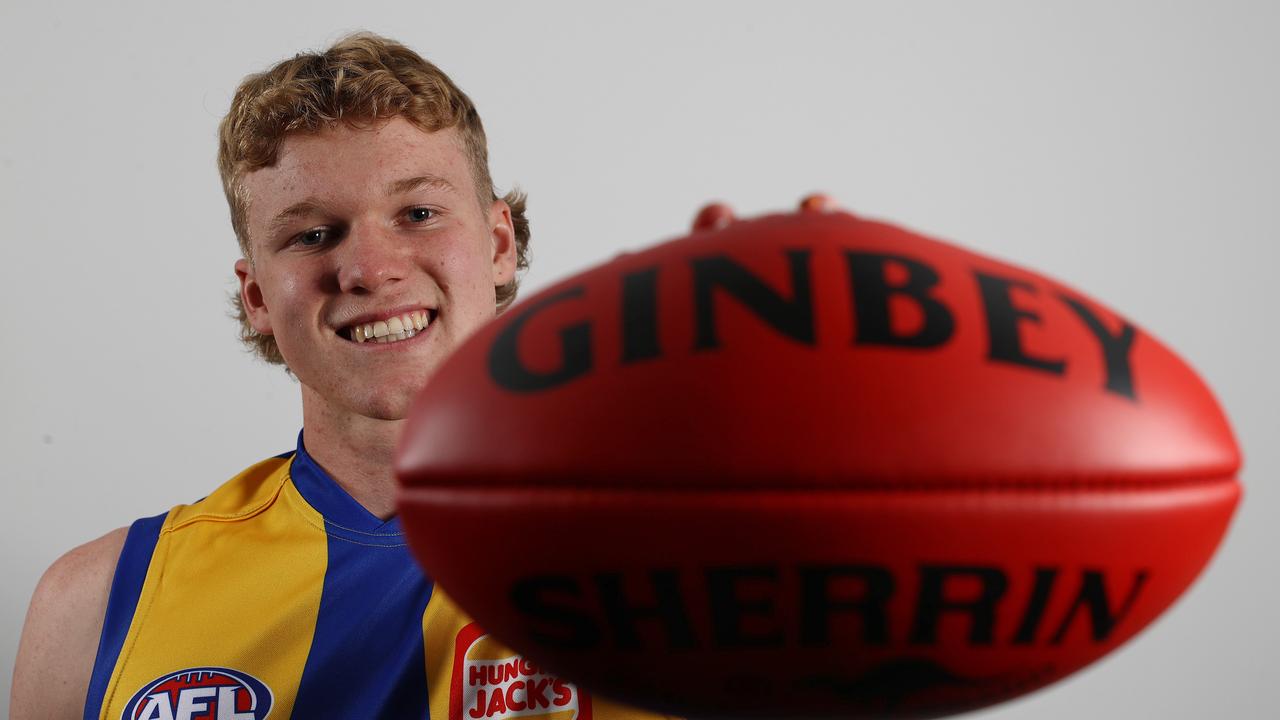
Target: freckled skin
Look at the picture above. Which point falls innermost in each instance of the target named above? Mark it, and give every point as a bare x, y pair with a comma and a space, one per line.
378, 259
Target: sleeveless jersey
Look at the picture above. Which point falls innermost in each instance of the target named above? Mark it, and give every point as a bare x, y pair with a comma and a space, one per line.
280, 596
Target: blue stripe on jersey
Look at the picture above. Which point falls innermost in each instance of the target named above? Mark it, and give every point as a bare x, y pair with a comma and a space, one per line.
367, 658
126, 587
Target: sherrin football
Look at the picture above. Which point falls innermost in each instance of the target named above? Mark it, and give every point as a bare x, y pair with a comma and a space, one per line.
812, 465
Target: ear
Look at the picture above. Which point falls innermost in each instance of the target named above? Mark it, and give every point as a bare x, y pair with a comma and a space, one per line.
502, 235
251, 298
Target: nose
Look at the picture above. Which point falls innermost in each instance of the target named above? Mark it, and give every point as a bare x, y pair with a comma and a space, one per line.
369, 258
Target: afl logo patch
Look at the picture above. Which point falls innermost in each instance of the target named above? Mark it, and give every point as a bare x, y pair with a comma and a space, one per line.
491, 682
204, 693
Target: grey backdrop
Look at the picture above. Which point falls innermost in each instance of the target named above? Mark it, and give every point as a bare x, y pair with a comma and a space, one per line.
1127, 148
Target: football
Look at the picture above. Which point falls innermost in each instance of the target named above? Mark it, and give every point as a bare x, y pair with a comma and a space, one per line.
814, 465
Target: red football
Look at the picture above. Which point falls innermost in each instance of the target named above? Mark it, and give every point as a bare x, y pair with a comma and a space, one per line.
814, 465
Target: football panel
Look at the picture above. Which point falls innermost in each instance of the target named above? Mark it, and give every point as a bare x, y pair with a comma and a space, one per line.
826, 603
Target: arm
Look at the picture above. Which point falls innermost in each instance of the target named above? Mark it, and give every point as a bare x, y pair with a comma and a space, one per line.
60, 638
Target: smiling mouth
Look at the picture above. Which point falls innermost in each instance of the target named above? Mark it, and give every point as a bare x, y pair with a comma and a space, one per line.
393, 329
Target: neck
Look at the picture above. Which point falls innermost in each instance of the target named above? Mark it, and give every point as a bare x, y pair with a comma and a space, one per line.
356, 451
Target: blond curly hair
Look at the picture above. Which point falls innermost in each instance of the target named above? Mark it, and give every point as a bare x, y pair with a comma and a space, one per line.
361, 78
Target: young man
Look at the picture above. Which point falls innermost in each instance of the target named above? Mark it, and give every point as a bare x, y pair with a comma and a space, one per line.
373, 245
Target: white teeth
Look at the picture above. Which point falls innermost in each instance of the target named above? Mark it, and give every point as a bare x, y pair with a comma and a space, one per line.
401, 327
398, 336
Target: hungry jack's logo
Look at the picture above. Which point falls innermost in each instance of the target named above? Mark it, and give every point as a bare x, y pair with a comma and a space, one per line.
215, 693
491, 682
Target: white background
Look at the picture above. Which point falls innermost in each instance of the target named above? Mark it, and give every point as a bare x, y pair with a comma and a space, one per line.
1127, 148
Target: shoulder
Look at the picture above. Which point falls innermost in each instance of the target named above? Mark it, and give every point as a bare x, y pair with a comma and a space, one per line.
244, 495
60, 637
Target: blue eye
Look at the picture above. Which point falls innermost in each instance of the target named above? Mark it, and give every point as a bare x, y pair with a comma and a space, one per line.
312, 237
421, 214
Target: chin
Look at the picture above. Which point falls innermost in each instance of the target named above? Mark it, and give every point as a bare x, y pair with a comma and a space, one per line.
385, 403
392, 406
385, 394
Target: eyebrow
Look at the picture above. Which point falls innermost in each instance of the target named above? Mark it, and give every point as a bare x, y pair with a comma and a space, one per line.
416, 183
397, 187
306, 207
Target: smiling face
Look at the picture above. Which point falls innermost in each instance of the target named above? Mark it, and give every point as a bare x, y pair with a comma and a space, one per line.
359, 230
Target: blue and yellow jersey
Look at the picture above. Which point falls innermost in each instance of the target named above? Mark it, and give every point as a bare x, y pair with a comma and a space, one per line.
280, 596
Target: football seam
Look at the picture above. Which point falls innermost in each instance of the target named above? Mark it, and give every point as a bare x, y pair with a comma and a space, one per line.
883, 486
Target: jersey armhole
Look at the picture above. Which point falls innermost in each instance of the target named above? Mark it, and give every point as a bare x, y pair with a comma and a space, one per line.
126, 587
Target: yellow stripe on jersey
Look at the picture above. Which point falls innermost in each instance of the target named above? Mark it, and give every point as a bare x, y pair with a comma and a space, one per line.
213, 576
